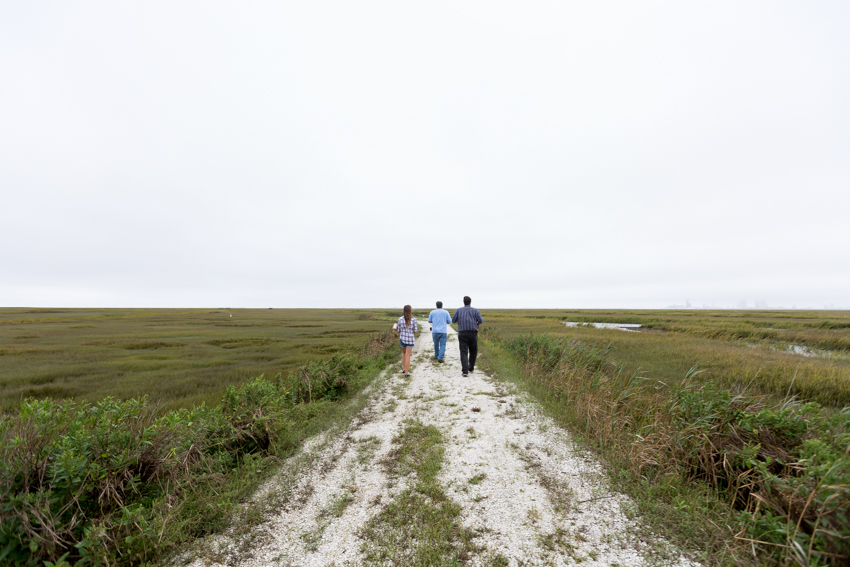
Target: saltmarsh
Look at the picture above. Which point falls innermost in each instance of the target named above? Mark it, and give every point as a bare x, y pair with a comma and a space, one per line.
744, 462
181, 357
736, 349
126, 483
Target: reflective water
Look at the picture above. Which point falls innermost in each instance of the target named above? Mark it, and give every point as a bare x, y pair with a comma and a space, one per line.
629, 327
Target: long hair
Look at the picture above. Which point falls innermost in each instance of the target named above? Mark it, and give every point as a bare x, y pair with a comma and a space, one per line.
407, 314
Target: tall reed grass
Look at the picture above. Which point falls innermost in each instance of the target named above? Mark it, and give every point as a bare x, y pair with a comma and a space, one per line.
782, 468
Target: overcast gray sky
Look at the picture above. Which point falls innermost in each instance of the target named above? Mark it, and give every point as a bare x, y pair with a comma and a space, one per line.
355, 154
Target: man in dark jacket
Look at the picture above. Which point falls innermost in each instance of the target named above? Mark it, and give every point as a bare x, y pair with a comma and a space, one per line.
468, 319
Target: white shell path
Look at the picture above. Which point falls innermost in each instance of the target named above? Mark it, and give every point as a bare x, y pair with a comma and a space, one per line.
530, 494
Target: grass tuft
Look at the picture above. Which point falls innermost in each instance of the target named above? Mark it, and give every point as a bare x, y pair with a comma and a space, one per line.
421, 525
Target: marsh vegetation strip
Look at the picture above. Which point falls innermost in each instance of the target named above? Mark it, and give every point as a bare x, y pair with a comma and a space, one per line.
745, 478
441, 470
764, 352
181, 357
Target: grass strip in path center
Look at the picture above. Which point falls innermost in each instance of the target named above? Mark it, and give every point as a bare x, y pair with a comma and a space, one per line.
421, 526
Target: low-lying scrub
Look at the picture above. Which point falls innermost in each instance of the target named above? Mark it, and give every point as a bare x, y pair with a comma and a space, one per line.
782, 468
121, 483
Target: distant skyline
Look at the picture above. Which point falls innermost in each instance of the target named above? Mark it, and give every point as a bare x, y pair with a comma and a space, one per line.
374, 154
756, 305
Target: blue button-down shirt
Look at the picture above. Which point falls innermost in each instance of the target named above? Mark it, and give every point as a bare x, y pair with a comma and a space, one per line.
467, 318
439, 319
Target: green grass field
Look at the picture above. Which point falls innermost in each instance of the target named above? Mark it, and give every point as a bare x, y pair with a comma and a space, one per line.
738, 349
180, 357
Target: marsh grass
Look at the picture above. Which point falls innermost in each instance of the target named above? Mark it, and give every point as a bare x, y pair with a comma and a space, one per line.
739, 477
741, 350
121, 482
179, 358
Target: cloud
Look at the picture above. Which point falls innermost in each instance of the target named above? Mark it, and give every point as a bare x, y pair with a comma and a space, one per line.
326, 154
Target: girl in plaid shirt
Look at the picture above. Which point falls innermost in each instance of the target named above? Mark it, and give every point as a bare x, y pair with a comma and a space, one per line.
405, 328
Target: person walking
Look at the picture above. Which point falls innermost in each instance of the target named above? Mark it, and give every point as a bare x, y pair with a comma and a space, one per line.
439, 319
406, 327
468, 320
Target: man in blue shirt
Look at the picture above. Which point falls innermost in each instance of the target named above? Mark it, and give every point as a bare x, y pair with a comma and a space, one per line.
468, 319
439, 319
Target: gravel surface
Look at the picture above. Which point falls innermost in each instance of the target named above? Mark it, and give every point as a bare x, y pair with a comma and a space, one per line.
530, 494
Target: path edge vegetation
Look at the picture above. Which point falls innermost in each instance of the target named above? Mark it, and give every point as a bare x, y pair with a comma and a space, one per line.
421, 526
120, 482
736, 479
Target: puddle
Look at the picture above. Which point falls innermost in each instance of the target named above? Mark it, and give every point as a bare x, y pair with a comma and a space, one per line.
797, 349
629, 327
813, 352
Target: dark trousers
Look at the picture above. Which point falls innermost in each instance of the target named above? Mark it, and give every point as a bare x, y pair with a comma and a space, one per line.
468, 341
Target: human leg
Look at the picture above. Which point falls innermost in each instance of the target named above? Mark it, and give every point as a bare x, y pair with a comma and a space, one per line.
439, 345
463, 341
406, 359
473, 350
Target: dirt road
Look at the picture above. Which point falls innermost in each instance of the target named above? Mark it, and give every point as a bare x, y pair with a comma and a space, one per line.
442, 457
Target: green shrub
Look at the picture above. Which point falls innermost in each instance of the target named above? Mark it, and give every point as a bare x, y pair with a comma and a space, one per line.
96, 484
66, 464
322, 378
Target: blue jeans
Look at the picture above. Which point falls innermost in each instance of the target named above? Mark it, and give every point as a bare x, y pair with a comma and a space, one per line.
439, 345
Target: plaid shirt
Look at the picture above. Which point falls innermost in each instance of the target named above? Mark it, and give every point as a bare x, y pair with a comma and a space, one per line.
406, 333
467, 318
